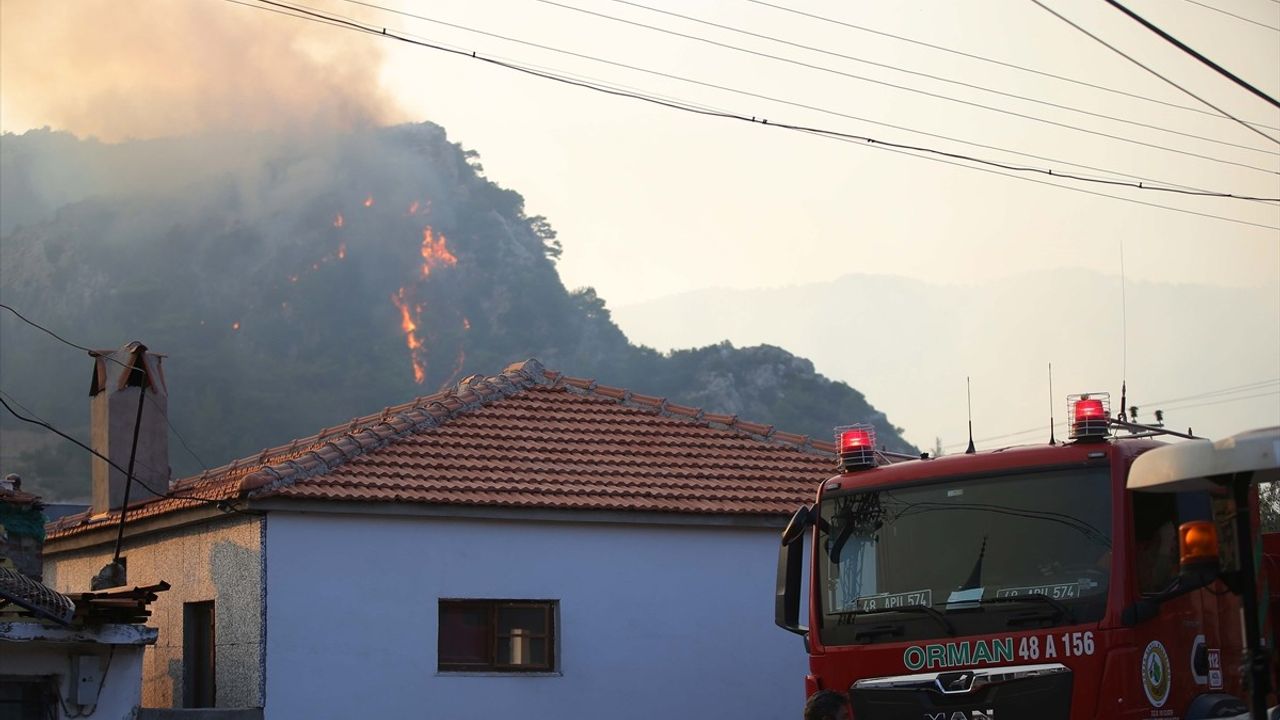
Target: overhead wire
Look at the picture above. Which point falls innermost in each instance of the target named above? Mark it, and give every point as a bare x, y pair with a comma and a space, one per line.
1158, 405
939, 78
383, 32
1002, 63
110, 358
1142, 184
35, 420
906, 88
1140, 64
1238, 17
1193, 53
1086, 191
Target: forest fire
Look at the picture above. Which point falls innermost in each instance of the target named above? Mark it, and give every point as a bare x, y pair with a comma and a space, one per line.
417, 352
435, 254
368, 202
337, 220
435, 251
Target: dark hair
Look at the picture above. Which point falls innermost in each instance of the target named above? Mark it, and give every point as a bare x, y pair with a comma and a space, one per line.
824, 705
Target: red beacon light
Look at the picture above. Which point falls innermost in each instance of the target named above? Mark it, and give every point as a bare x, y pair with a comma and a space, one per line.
1090, 415
856, 447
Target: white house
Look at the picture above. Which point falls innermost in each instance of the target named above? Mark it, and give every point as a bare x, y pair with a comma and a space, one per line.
523, 545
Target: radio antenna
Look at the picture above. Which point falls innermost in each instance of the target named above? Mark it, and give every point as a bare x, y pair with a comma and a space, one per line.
1051, 439
969, 393
1124, 338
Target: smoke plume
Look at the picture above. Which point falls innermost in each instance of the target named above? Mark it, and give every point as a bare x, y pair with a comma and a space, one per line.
120, 69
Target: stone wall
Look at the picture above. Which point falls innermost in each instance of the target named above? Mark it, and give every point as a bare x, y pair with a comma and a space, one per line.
218, 560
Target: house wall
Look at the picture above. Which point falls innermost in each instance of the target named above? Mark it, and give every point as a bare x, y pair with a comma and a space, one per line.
218, 560
655, 621
120, 694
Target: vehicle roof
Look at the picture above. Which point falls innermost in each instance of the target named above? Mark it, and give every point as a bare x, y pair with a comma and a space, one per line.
998, 460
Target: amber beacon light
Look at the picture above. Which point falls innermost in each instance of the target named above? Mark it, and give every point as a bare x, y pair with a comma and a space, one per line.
1197, 543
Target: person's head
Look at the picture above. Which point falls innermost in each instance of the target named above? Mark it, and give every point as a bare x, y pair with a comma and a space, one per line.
826, 705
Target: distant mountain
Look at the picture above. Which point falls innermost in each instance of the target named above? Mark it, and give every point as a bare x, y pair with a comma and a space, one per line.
298, 281
910, 345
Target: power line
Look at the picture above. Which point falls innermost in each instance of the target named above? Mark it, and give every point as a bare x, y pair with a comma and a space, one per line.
95, 354
1001, 63
1067, 187
1190, 51
939, 78
1142, 184
1137, 62
222, 504
1220, 391
702, 110
1238, 17
906, 88
1063, 424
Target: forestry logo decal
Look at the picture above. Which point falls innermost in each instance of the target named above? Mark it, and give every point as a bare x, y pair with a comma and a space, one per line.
1156, 680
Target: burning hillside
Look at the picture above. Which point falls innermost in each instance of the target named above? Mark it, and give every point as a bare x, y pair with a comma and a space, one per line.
297, 281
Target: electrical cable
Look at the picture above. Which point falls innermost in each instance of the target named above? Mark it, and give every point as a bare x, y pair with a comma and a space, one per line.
1064, 187
386, 33
1041, 428
1140, 185
938, 78
1238, 17
94, 353
222, 504
1220, 391
1137, 62
938, 96
33, 414
1190, 51
1002, 63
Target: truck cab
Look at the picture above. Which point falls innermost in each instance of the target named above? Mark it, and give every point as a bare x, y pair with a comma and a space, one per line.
1017, 582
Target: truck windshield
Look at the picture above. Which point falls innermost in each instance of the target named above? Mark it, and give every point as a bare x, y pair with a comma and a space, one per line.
969, 549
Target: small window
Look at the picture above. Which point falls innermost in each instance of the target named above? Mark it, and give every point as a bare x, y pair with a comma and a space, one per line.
497, 636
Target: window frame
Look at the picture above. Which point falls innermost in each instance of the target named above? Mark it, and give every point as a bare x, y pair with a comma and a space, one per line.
493, 636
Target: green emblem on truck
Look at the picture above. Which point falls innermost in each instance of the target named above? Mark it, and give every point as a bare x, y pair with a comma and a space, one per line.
956, 654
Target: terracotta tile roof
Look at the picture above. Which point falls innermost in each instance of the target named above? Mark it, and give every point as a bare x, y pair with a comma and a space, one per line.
531, 438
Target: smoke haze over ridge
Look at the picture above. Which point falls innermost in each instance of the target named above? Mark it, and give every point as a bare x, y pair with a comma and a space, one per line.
140, 69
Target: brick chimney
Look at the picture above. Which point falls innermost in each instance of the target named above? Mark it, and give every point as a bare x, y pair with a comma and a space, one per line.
119, 377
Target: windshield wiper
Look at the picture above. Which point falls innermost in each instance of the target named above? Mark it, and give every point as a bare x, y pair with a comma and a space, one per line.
1058, 605
922, 609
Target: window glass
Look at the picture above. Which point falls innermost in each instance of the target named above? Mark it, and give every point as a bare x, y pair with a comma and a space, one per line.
464, 632
977, 549
497, 635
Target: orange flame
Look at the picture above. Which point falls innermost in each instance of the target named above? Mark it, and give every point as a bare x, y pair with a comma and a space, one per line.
435, 251
466, 324
342, 251
368, 202
235, 325
337, 220
413, 208
417, 353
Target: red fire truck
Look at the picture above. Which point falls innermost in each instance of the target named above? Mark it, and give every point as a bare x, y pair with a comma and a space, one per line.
1023, 582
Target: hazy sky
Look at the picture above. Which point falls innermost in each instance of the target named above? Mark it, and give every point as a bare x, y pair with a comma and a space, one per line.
650, 202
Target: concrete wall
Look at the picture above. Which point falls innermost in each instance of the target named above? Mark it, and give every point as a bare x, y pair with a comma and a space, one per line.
655, 621
121, 691
220, 560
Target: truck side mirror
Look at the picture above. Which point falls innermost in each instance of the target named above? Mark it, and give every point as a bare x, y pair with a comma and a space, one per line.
799, 522
786, 601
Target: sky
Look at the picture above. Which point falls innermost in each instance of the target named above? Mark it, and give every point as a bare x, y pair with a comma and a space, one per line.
651, 202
